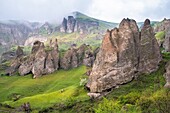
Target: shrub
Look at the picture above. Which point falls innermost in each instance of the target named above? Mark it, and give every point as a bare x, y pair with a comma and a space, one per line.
130, 98
108, 106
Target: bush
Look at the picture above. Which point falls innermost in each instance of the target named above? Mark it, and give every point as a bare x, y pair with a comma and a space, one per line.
130, 98
108, 106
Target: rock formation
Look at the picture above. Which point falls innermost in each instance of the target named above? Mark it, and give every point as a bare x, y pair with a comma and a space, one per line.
75, 57
163, 26
167, 75
124, 53
149, 50
8, 56
166, 42
30, 41
76, 24
40, 61
63, 27
16, 62
163, 40
43, 60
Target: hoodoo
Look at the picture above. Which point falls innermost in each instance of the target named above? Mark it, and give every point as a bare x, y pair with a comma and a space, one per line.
124, 53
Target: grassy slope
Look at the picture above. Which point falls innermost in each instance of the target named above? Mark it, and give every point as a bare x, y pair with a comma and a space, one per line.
144, 94
45, 91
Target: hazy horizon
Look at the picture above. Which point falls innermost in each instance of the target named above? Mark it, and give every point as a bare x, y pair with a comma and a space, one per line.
107, 10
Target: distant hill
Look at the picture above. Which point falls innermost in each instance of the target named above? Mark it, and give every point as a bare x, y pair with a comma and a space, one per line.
76, 28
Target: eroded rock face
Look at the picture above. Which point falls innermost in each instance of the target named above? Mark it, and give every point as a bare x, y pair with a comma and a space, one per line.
75, 57
122, 54
70, 59
16, 62
166, 43
163, 26
167, 75
40, 61
149, 50
63, 27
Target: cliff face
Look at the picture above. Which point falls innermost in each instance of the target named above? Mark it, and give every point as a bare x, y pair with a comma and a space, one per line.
41, 61
162, 26
125, 52
83, 24
15, 33
75, 24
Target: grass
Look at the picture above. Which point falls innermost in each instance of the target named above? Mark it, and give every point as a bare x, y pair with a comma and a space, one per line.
45, 91
61, 92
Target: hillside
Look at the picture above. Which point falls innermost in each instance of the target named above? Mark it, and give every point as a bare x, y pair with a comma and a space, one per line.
57, 93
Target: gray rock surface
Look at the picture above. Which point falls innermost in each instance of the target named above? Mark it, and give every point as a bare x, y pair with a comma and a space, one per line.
40, 61
123, 52
167, 75
75, 57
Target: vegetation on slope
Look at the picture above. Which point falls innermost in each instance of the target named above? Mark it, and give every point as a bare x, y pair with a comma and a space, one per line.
61, 92
45, 91
160, 36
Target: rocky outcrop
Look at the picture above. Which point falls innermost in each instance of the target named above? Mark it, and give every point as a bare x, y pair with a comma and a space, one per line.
45, 29
68, 25
30, 41
163, 25
149, 56
63, 27
40, 61
13, 33
167, 75
166, 42
43, 60
75, 57
8, 56
71, 24
124, 53
163, 28
16, 62
74, 24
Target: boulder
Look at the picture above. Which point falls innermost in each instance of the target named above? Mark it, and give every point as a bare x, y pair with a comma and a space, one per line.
122, 54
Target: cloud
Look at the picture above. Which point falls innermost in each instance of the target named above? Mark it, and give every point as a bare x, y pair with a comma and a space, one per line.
40, 10
109, 10
115, 10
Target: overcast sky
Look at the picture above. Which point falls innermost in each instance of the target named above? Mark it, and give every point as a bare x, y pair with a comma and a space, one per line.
109, 10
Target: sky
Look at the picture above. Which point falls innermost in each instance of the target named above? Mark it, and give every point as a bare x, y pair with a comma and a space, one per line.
108, 10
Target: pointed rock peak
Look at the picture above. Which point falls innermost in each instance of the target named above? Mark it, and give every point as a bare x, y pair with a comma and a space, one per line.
70, 17
36, 46
64, 19
126, 23
147, 22
19, 51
